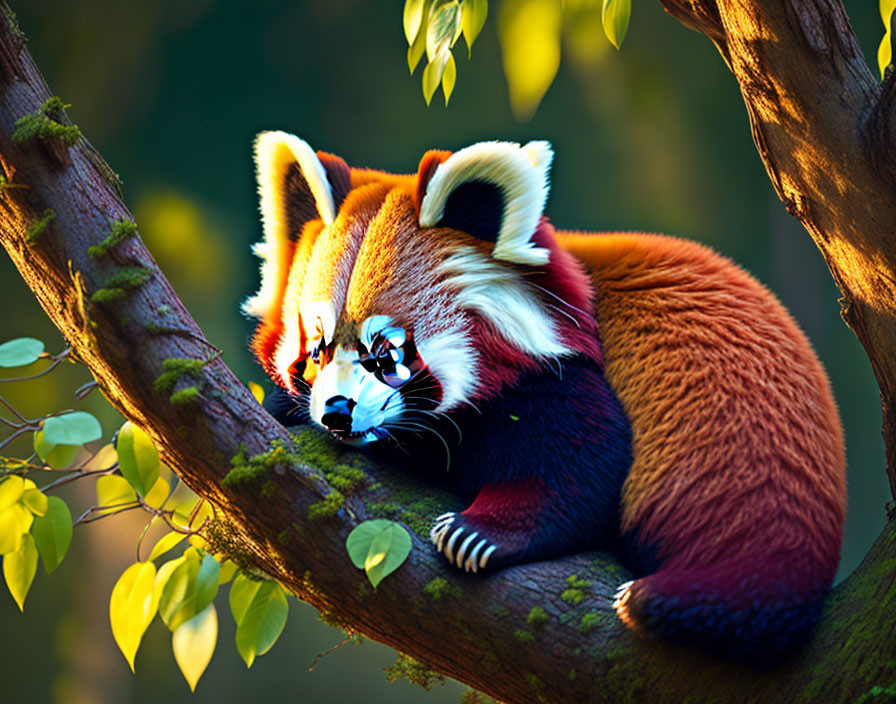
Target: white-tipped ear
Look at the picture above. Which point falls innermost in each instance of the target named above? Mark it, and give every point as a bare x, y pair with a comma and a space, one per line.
495, 191
293, 189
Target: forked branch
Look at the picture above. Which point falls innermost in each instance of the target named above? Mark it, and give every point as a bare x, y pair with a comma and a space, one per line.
526, 634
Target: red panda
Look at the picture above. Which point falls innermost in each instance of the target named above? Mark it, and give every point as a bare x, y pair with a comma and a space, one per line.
610, 390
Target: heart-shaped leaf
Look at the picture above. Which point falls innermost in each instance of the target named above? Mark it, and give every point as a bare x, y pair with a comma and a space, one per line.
379, 547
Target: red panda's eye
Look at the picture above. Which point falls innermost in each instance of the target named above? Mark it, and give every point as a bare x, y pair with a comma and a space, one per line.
317, 350
297, 368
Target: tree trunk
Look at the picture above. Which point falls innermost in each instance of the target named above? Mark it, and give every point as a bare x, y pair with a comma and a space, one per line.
475, 629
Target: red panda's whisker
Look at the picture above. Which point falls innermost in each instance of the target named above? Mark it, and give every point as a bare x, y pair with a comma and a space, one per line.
559, 298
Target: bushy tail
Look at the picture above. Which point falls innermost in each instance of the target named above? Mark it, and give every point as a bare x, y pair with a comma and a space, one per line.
749, 610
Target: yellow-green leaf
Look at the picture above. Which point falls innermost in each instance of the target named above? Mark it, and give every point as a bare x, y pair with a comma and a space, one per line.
413, 18
257, 391
19, 568
138, 458
55, 455
228, 572
379, 547
260, 610
885, 50
473, 14
193, 643
53, 533
442, 29
35, 500
164, 544
615, 16
416, 50
132, 607
11, 490
159, 493
432, 75
529, 32
164, 574
449, 77
242, 592
114, 492
104, 458
15, 522
192, 586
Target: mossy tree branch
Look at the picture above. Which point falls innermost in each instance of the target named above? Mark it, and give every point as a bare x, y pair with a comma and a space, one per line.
540, 632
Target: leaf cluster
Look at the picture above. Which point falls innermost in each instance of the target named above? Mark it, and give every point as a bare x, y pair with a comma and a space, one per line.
128, 475
530, 33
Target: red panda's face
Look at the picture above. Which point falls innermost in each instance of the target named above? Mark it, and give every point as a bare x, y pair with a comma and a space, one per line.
386, 298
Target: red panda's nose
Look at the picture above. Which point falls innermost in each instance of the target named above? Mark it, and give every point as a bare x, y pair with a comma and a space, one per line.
337, 415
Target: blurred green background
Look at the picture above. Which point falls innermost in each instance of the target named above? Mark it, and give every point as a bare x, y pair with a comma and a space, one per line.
171, 92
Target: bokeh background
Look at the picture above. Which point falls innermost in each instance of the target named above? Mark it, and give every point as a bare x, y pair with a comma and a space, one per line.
172, 92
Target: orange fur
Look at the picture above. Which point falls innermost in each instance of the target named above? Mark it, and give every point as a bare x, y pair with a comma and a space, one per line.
733, 419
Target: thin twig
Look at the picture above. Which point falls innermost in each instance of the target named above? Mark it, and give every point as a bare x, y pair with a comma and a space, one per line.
11, 424
119, 508
11, 408
82, 391
320, 656
20, 431
78, 474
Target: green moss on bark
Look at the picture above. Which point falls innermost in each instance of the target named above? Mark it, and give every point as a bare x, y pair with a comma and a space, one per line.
174, 368
537, 617
46, 124
184, 397
441, 587
121, 230
37, 227
117, 285
415, 672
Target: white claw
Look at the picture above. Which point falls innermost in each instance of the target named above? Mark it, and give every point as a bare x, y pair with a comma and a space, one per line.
621, 590
449, 548
442, 526
442, 533
471, 562
450, 514
487, 554
463, 549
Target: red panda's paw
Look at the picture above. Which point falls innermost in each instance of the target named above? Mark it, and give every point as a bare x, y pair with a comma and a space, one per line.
462, 545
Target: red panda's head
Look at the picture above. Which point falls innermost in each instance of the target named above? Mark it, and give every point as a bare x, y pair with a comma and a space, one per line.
386, 295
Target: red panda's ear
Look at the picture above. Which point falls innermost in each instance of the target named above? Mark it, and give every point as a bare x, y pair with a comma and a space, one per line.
495, 191
428, 165
295, 188
339, 176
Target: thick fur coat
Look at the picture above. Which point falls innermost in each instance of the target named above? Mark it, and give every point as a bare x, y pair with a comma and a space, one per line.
621, 390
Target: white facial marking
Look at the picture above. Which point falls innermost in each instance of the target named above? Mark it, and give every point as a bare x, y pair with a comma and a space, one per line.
375, 402
452, 360
502, 296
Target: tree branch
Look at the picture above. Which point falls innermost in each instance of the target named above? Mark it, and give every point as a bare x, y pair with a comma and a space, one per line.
483, 631
823, 127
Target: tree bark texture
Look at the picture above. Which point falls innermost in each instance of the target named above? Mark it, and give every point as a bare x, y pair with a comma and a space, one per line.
475, 629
